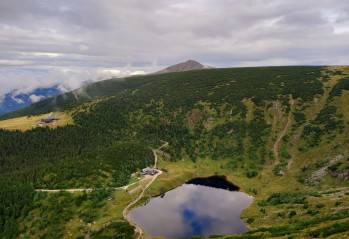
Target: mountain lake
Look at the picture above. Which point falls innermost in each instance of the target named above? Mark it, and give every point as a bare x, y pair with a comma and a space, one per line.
200, 207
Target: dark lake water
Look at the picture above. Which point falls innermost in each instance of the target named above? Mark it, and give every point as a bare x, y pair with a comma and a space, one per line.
193, 210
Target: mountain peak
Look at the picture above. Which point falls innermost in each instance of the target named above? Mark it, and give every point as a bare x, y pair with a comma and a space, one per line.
183, 66
192, 62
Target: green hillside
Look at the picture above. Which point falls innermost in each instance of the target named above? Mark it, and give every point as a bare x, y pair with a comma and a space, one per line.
279, 133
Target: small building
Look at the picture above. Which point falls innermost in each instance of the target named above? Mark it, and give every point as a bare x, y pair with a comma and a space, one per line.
49, 119
150, 171
111, 197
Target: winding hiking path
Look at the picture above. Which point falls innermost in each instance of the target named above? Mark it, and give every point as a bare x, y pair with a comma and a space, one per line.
74, 190
282, 133
126, 210
155, 154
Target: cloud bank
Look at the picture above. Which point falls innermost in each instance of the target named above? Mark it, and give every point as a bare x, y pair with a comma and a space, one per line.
62, 42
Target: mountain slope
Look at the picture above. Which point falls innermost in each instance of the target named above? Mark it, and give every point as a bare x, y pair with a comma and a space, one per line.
279, 133
94, 90
86, 93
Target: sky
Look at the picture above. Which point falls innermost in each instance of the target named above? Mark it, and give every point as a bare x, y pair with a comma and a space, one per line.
68, 42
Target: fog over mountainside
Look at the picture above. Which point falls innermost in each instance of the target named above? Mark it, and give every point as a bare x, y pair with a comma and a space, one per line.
54, 98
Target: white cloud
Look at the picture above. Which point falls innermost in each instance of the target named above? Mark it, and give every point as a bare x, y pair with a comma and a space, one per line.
35, 98
111, 71
19, 101
341, 28
14, 62
48, 54
134, 73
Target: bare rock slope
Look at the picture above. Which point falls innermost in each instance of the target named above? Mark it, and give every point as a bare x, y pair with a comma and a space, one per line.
184, 66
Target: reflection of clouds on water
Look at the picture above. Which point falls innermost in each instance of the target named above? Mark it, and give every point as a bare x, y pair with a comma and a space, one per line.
217, 210
193, 210
197, 223
159, 216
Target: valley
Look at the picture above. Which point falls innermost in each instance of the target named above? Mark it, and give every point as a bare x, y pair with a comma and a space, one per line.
278, 133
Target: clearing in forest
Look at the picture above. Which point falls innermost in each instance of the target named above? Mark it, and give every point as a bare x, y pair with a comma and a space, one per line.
29, 122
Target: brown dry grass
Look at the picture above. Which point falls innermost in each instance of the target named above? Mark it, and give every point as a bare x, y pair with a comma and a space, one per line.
28, 122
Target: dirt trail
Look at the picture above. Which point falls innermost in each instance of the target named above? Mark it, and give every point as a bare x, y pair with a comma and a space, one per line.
282, 133
126, 210
73, 190
155, 154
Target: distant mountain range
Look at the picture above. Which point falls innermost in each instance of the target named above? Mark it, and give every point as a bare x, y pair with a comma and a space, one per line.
13, 101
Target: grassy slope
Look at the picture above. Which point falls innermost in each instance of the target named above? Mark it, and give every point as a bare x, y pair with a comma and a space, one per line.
261, 187
29, 122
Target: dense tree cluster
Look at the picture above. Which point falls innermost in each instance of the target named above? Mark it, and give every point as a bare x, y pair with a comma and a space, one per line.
343, 84
327, 122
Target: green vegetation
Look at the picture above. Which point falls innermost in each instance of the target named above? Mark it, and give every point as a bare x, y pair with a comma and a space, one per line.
327, 122
283, 198
343, 84
222, 121
334, 228
300, 225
